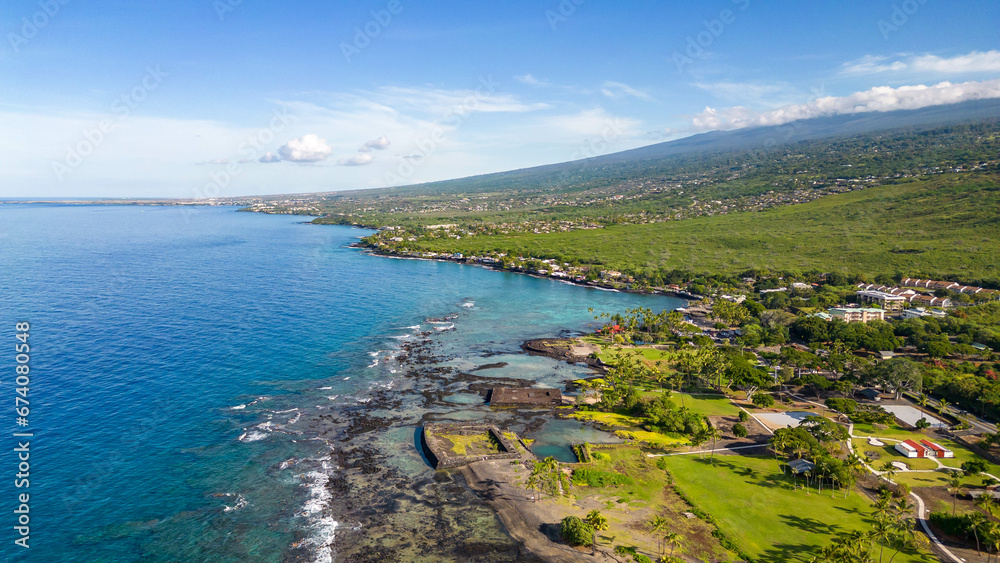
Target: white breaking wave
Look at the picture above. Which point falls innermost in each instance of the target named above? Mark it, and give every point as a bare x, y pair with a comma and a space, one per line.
252, 436
324, 528
469, 304
238, 407
240, 503
449, 327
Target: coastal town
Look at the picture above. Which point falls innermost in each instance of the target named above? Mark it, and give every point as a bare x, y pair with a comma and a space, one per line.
801, 422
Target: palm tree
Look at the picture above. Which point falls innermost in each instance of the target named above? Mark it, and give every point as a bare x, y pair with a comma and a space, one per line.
954, 487
883, 504
779, 443
977, 521
903, 508
673, 539
923, 400
535, 483
942, 406
713, 434
854, 469
986, 503
658, 524
699, 438
888, 471
993, 537
545, 474
884, 532
597, 522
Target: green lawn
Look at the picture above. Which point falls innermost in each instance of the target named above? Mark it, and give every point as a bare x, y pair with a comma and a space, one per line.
763, 514
709, 405
651, 355
962, 454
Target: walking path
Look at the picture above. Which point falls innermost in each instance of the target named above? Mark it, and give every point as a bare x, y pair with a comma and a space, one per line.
728, 449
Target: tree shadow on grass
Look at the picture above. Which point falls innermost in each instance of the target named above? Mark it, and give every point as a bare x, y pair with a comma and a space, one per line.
862, 517
720, 463
789, 552
811, 525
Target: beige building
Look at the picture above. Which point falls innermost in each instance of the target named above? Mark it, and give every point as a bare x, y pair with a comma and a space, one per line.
857, 315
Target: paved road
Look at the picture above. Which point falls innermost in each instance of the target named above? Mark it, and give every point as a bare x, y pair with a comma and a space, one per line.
978, 424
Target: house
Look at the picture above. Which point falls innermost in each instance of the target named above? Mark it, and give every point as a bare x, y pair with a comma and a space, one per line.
799, 466
909, 295
909, 448
859, 314
921, 312
952, 286
870, 394
929, 300
934, 450
886, 355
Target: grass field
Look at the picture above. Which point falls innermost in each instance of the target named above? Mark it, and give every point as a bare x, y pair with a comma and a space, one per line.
637, 502
937, 479
940, 226
627, 427
708, 405
763, 514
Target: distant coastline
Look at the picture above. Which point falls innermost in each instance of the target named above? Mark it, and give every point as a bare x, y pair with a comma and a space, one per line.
594, 284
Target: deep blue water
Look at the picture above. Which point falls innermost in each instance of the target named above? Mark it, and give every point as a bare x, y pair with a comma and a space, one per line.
174, 350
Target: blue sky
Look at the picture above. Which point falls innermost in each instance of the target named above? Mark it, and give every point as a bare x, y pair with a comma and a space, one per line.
226, 97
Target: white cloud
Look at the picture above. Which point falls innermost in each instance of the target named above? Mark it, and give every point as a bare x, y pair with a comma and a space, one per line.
381, 144
269, 157
356, 160
307, 148
619, 89
530, 80
975, 61
871, 64
881, 98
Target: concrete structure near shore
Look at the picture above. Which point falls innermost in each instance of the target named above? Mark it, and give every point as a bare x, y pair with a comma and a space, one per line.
525, 397
450, 445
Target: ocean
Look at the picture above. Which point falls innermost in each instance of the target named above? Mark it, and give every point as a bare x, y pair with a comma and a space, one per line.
207, 385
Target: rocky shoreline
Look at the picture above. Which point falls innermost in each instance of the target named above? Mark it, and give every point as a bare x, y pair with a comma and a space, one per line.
390, 505
572, 350
595, 284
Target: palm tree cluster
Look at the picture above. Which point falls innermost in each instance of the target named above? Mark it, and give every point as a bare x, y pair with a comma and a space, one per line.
893, 528
658, 525
547, 476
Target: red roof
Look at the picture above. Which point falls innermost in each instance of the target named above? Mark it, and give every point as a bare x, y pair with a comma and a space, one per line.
914, 445
932, 446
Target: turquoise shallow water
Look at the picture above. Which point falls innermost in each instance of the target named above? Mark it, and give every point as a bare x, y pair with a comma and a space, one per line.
177, 353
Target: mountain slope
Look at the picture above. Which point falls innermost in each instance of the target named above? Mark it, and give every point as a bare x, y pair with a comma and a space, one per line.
756, 138
944, 226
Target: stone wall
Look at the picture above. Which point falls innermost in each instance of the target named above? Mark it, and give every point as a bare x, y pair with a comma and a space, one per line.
444, 459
